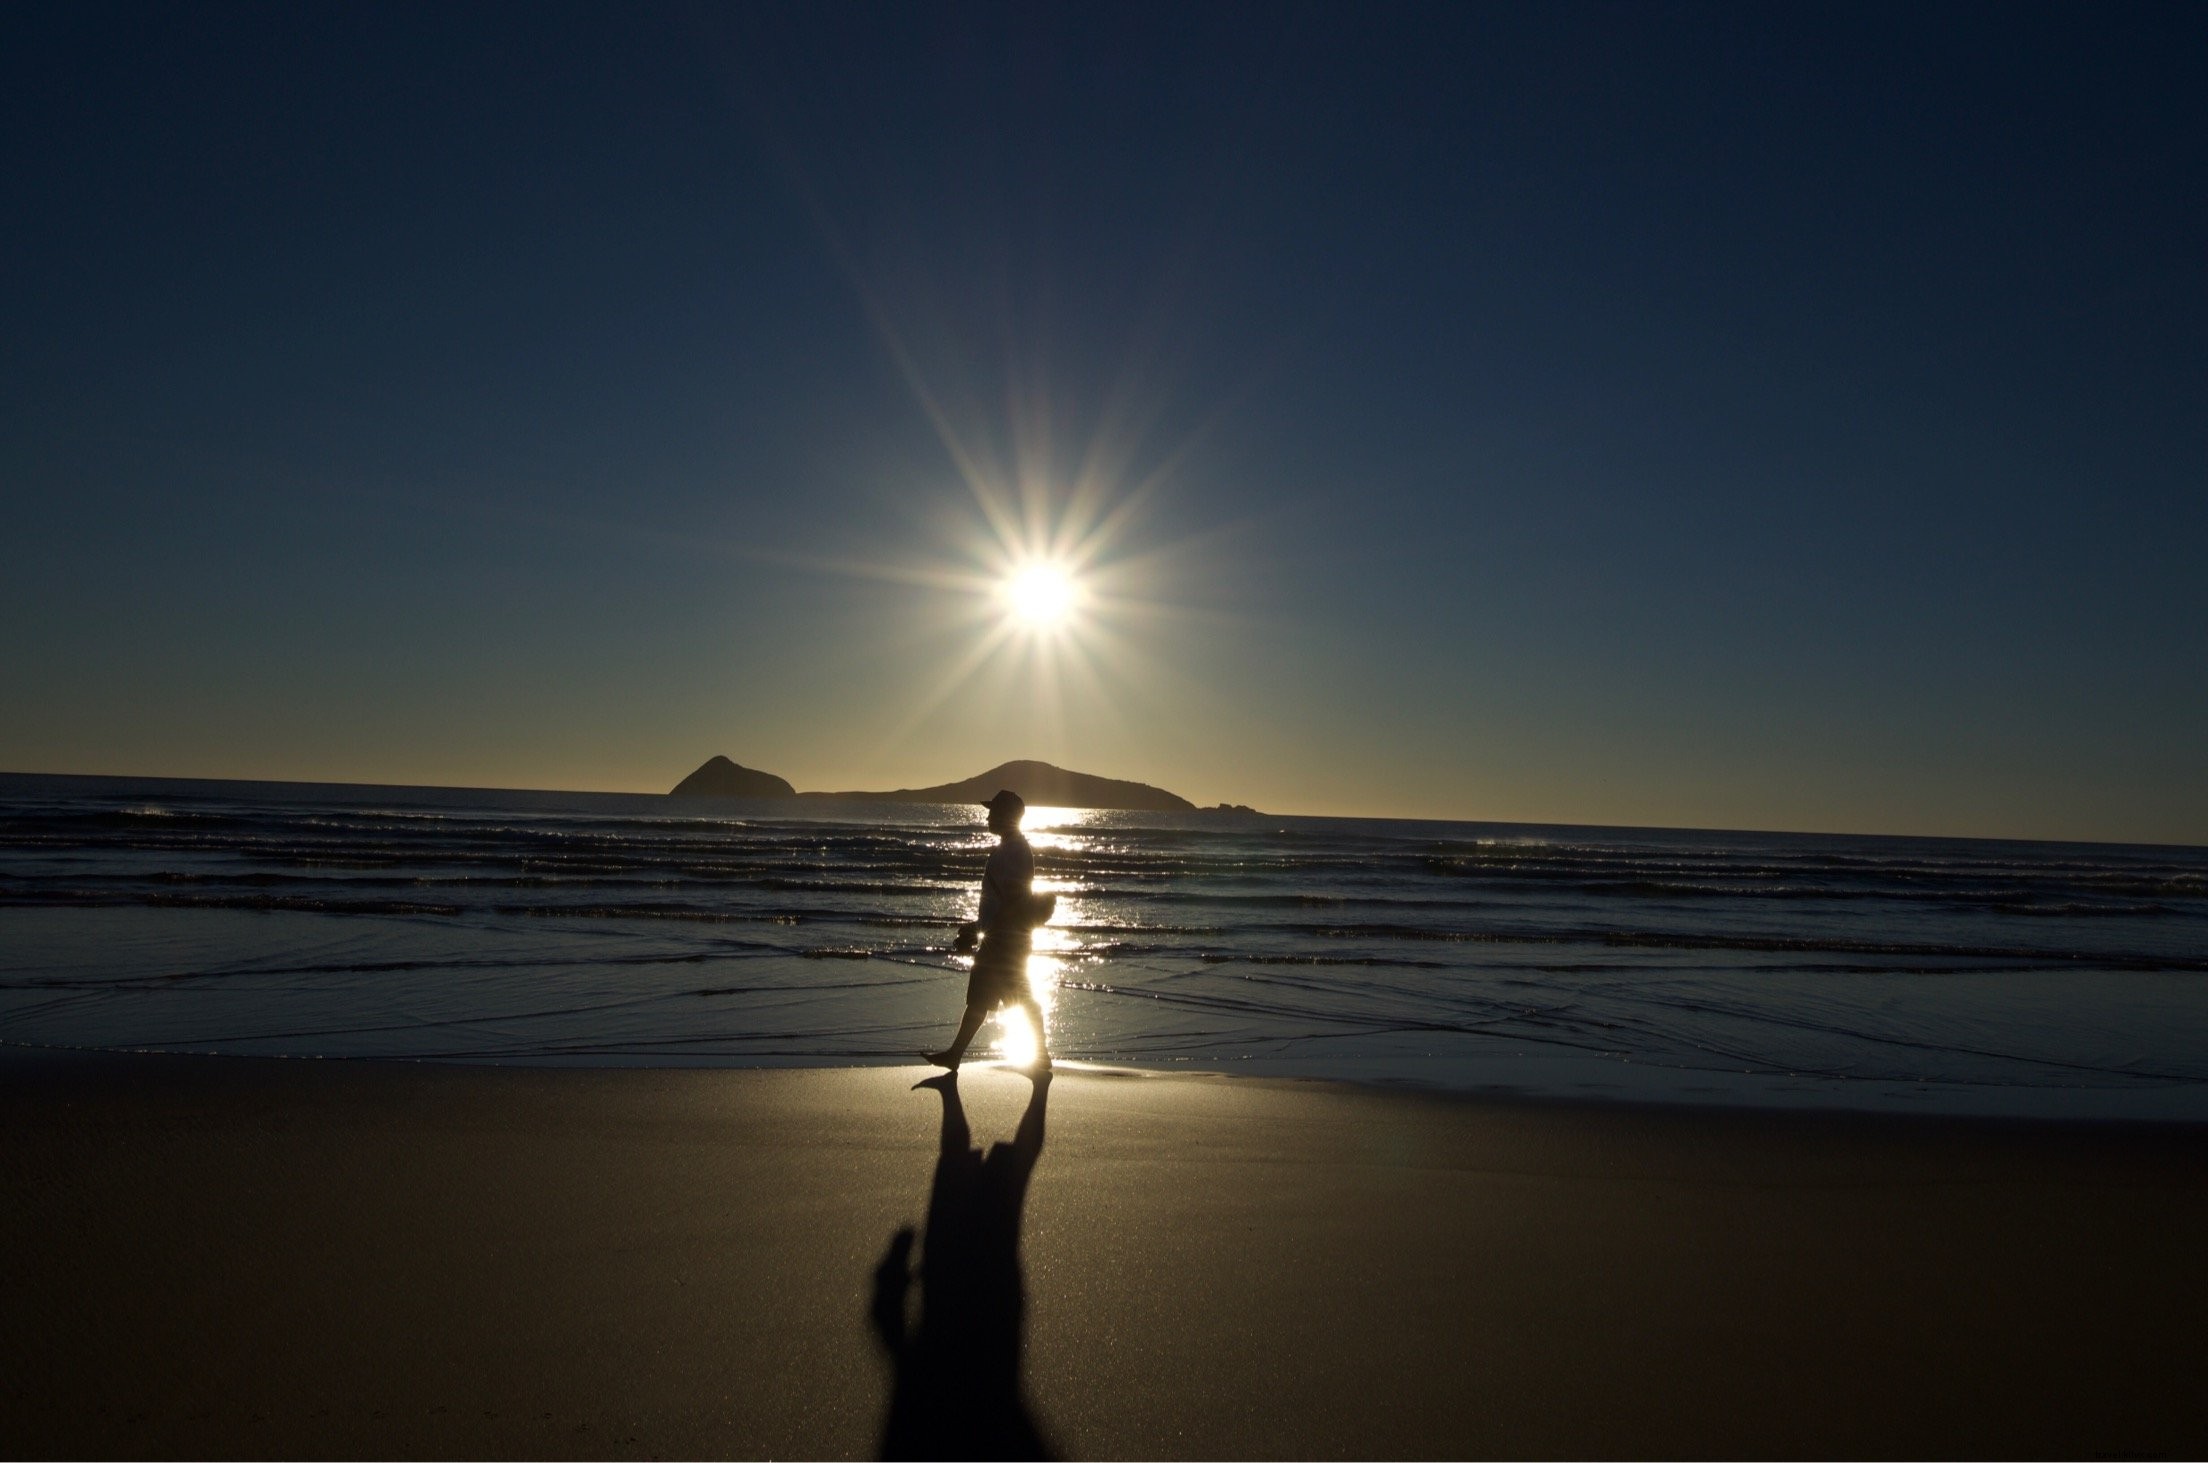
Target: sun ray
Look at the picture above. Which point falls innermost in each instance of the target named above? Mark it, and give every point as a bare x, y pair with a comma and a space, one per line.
965, 459
1081, 669
968, 666
1049, 701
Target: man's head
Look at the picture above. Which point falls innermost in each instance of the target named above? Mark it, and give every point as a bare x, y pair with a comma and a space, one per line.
1005, 811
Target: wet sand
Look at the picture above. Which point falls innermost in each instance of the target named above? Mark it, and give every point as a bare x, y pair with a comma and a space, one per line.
227, 1257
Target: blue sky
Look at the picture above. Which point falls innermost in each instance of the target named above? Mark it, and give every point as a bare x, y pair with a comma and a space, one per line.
1718, 416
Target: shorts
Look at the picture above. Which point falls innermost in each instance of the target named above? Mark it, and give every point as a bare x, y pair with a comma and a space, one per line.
1000, 971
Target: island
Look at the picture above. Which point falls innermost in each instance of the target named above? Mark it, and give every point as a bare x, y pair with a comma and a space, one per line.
721, 778
1037, 782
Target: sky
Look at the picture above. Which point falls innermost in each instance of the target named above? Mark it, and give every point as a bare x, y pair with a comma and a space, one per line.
1719, 416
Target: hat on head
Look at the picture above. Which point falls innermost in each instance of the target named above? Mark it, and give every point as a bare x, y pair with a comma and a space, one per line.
1006, 798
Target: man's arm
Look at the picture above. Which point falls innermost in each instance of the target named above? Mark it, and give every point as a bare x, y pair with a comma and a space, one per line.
970, 932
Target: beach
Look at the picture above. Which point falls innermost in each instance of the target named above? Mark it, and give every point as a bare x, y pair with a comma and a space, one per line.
245, 1257
1553, 652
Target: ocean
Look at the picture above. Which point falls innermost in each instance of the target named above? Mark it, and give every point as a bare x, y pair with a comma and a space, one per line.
434, 924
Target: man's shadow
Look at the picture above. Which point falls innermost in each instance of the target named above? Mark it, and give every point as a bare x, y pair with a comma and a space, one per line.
957, 1392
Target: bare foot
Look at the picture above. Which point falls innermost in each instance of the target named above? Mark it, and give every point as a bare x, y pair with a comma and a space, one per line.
943, 1059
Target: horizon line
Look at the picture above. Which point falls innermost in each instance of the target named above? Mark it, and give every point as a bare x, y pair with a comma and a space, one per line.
1259, 812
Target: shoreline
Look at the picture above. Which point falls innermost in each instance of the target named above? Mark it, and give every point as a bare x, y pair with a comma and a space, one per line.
1713, 1101
316, 1257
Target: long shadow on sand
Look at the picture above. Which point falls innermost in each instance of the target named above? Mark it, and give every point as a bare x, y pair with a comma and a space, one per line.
957, 1392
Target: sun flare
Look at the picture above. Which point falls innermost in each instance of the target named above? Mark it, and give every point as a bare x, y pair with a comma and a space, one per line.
1018, 1042
1041, 596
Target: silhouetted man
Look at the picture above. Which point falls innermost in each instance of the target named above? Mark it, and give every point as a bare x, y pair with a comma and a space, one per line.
1010, 911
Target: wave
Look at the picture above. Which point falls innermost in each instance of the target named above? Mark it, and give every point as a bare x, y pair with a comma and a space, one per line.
495, 927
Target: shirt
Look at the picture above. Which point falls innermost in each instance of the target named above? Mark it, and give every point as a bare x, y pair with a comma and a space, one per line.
1008, 878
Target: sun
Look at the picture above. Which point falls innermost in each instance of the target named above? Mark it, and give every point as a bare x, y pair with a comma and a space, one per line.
1041, 596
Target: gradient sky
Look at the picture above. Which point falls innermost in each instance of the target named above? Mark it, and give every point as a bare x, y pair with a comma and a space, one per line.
1739, 416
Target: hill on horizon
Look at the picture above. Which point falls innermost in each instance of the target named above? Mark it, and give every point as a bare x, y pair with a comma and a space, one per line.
1037, 782
721, 778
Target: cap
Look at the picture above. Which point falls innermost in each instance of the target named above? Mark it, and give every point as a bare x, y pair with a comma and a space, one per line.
1006, 798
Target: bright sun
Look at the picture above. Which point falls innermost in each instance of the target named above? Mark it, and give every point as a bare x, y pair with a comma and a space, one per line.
1041, 595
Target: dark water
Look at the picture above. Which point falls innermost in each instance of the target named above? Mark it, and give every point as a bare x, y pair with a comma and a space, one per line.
488, 926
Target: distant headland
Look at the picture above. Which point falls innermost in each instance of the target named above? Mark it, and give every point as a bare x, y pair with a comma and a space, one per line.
1037, 782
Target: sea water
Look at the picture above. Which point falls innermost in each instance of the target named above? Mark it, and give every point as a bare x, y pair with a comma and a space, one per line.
297, 920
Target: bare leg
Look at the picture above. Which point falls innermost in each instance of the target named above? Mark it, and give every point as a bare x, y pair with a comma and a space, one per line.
968, 1026
1034, 1010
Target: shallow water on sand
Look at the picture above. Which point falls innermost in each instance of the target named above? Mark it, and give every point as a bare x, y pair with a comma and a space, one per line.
285, 919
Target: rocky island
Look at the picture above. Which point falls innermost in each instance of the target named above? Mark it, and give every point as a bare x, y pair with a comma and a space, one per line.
721, 778
1038, 782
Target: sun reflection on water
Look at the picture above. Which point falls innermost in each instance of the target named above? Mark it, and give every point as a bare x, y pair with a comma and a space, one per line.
1048, 827
1018, 1042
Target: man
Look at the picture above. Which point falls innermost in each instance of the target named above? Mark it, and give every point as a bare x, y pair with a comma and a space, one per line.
1009, 914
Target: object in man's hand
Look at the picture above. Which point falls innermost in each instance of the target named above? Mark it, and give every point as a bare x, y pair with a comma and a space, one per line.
1036, 910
